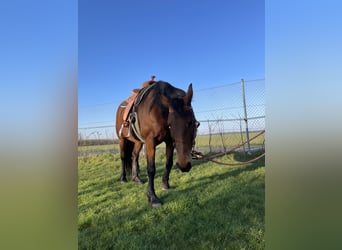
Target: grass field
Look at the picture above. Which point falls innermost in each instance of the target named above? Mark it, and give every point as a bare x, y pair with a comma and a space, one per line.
211, 207
98, 148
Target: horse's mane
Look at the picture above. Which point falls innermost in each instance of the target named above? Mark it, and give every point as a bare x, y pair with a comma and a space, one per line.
173, 94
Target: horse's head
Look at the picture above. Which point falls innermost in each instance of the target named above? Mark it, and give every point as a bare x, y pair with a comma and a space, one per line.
183, 128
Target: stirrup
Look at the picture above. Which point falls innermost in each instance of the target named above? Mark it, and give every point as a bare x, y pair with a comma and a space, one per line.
129, 130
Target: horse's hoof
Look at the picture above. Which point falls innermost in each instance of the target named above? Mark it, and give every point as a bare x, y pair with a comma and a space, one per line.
165, 186
123, 181
138, 181
156, 204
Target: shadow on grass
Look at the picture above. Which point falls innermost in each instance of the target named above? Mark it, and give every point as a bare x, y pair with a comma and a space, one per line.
216, 210
233, 172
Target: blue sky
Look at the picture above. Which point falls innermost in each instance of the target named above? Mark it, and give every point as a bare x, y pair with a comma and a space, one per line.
122, 43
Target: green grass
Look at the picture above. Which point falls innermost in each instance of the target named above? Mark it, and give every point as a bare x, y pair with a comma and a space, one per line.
106, 147
211, 207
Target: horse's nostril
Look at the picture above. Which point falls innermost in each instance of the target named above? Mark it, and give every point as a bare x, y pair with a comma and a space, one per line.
186, 168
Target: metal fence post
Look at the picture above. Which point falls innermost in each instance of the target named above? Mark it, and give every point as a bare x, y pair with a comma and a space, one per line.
245, 111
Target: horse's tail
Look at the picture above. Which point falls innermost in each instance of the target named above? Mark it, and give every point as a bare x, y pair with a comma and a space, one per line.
128, 150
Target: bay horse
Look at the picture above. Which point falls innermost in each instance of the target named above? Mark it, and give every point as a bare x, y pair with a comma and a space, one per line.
164, 115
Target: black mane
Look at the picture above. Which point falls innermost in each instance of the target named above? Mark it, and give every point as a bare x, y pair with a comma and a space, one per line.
173, 94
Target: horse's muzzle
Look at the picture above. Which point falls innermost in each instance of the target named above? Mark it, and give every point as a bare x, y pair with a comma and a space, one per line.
186, 168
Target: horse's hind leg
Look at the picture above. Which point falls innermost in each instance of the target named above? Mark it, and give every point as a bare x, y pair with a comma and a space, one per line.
135, 162
126, 148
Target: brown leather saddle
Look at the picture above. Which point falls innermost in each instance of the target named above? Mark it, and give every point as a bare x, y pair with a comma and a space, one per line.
134, 99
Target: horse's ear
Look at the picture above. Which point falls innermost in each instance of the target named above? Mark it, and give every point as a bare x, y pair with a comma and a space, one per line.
188, 96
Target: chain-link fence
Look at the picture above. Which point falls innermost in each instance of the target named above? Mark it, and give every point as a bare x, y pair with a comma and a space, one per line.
229, 114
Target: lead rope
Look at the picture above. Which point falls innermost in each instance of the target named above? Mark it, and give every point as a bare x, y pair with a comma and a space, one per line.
135, 126
199, 156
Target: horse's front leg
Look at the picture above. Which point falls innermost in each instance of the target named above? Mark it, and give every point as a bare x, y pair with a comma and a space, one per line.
169, 163
151, 171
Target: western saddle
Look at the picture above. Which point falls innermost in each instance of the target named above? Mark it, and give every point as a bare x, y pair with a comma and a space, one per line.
128, 106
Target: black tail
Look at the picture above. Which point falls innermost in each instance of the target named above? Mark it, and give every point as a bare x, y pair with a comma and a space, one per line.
128, 156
